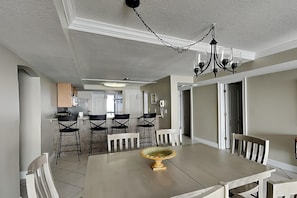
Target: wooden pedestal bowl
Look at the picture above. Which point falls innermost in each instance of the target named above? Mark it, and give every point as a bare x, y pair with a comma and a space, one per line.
158, 154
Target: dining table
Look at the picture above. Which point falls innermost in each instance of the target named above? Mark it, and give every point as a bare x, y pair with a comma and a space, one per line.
195, 166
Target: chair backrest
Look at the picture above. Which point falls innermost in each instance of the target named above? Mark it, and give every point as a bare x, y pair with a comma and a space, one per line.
122, 141
121, 120
218, 191
167, 137
148, 119
252, 148
97, 121
67, 123
282, 188
39, 181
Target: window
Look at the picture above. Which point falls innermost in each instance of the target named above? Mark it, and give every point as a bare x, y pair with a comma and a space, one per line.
114, 104
110, 106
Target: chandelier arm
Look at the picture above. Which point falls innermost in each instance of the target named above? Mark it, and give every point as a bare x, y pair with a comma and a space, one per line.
179, 49
220, 65
205, 68
208, 63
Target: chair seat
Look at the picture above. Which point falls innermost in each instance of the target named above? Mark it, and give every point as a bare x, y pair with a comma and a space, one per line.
99, 128
246, 189
146, 125
69, 130
119, 127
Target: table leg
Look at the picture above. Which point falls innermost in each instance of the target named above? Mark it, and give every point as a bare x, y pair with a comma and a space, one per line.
261, 189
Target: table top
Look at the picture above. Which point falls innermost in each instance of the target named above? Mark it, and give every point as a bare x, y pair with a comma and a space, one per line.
196, 166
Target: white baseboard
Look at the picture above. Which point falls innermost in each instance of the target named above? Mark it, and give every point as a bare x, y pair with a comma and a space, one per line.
282, 165
207, 142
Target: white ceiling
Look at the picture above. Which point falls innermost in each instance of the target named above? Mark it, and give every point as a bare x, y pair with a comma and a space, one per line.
70, 40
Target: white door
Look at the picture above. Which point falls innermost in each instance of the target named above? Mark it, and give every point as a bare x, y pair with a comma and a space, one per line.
231, 112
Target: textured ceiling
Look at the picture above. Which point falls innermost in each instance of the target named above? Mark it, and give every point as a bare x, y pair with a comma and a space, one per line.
39, 32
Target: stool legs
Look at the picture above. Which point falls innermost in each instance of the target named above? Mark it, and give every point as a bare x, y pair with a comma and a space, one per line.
60, 144
91, 143
59, 148
78, 146
147, 136
100, 136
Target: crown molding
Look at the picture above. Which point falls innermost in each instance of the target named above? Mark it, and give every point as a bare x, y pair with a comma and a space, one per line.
69, 11
97, 27
277, 49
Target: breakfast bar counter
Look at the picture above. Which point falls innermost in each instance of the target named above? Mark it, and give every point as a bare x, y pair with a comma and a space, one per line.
84, 130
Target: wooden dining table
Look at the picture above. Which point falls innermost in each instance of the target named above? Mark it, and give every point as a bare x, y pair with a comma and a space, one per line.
195, 166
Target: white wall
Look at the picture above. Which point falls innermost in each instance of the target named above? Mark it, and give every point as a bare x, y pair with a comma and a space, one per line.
175, 98
9, 122
272, 113
48, 90
30, 119
133, 102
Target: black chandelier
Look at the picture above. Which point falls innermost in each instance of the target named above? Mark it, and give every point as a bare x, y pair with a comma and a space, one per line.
225, 60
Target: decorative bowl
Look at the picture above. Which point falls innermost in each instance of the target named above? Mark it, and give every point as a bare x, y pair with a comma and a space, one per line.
158, 154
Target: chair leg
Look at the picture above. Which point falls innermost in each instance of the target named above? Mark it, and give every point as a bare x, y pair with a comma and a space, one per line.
91, 144
78, 149
79, 141
59, 148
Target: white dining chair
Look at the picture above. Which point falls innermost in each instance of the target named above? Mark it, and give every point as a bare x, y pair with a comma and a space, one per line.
168, 137
39, 180
284, 189
251, 148
122, 141
217, 191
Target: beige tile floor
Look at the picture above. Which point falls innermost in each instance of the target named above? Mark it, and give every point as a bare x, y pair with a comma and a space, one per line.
69, 175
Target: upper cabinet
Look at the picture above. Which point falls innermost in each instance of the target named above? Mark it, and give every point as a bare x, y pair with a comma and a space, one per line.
65, 94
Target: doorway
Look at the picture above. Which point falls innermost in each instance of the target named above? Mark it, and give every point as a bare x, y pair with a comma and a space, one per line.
232, 112
186, 112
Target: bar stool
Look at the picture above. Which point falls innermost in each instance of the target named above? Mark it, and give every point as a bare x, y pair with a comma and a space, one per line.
97, 124
68, 131
120, 123
147, 123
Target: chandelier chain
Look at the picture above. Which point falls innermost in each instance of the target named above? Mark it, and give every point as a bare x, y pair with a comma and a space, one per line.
179, 49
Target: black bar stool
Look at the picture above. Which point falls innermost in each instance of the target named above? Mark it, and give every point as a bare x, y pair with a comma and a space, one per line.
97, 124
147, 123
120, 123
68, 131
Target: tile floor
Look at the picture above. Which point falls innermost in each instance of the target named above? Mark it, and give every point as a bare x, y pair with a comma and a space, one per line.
69, 175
